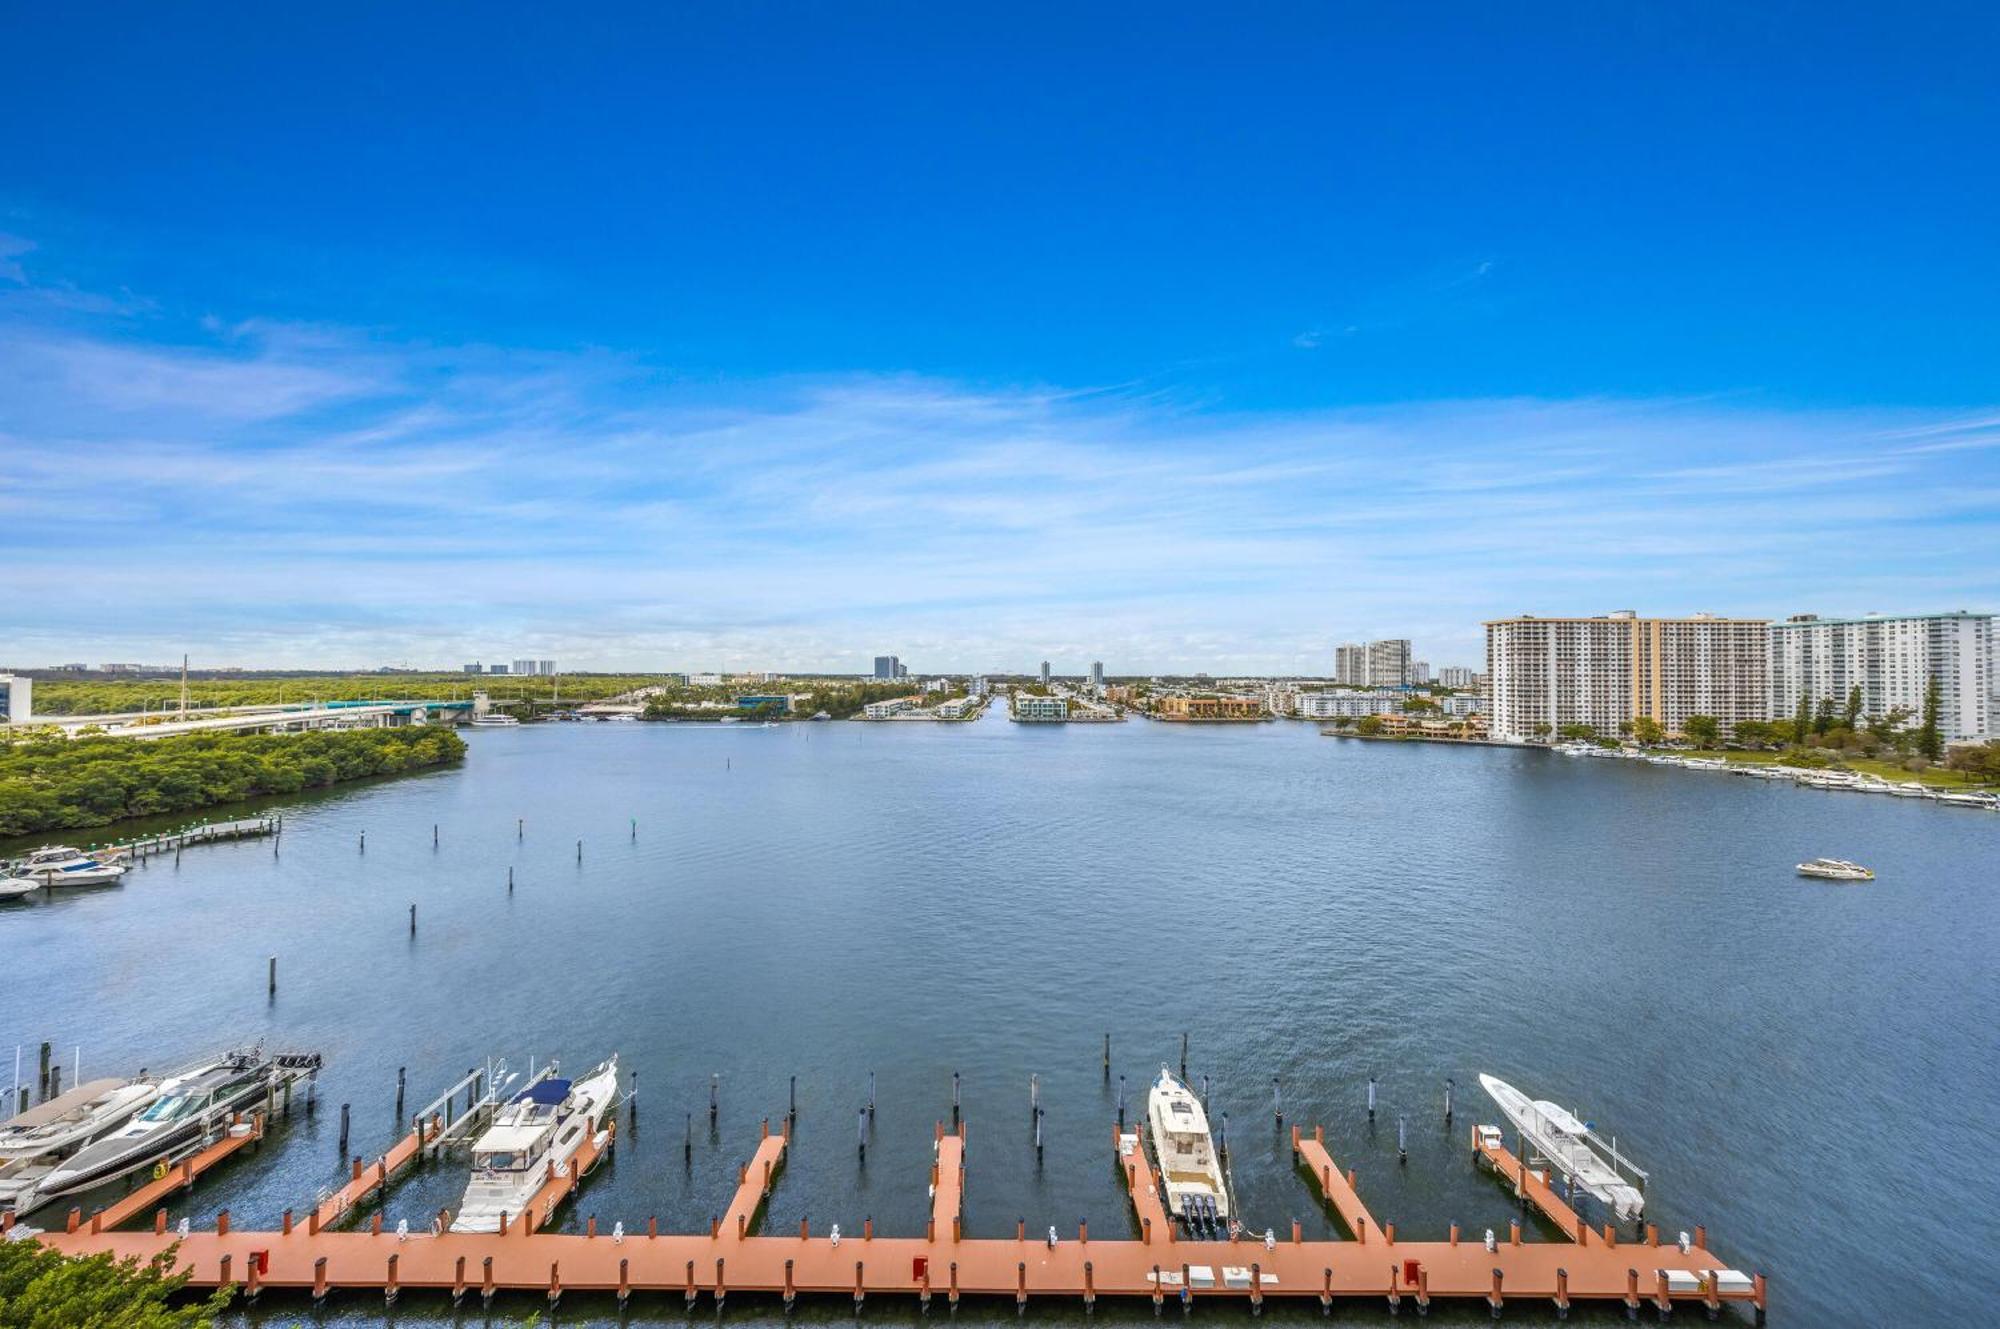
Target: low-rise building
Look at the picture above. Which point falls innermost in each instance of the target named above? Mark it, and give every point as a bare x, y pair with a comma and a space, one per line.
1210, 708
17, 698
751, 703
1040, 709
704, 680
1331, 705
890, 709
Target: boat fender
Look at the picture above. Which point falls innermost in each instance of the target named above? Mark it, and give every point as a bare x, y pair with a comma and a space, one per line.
1490, 1243
1052, 1237
618, 1233
562, 1169
1686, 1244
402, 1229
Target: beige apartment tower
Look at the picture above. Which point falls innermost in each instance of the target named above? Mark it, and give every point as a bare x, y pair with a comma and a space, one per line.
1544, 673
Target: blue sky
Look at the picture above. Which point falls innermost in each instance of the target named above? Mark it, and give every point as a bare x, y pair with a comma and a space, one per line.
779, 335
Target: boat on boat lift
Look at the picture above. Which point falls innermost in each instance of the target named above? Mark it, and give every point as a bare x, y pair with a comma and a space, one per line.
33, 1143
1573, 1147
1192, 1184
538, 1130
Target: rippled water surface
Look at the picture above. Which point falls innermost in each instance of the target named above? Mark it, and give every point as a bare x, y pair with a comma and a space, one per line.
1810, 1070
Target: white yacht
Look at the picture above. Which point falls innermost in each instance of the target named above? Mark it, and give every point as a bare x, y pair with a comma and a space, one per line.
1835, 869
60, 865
1573, 1147
1191, 1180
16, 888
1970, 800
493, 720
33, 1143
189, 1108
541, 1127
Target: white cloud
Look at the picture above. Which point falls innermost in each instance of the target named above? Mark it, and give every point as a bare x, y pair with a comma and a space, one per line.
289, 495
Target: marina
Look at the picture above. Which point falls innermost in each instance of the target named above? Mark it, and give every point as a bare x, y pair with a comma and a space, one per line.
945, 1264
818, 903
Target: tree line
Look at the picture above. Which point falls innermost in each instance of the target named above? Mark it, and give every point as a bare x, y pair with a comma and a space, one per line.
55, 783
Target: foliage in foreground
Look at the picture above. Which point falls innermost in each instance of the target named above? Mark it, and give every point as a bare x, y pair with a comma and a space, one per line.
45, 1289
53, 784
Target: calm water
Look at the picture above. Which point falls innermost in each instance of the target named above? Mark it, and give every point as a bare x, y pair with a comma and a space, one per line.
1809, 1069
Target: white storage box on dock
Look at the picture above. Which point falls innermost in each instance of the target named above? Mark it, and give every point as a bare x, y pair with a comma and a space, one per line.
1683, 1280
239, 1130
1734, 1280
1200, 1275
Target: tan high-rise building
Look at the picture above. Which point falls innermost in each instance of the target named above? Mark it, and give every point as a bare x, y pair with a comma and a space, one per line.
1605, 672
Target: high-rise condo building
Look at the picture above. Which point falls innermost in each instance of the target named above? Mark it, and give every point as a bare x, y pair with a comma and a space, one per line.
1607, 672
1420, 672
888, 667
1455, 676
1373, 664
1045, 673
1097, 674
1388, 663
1893, 660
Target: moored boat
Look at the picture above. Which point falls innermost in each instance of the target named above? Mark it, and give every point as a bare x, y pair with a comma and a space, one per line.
534, 1135
1191, 1180
60, 865
1835, 869
190, 1107
1573, 1147
33, 1143
16, 888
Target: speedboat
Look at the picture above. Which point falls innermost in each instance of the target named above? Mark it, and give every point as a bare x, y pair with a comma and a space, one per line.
190, 1107
60, 865
1191, 1180
17, 888
1969, 800
33, 1143
1835, 869
1573, 1147
535, 1135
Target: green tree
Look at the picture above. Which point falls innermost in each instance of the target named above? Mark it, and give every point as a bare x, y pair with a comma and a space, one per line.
1369, 726
1802, 720
1647, 730
1823, 716
1755, 733
1582, 733
1703, 729
1930, 738
45, 1289
1852, 717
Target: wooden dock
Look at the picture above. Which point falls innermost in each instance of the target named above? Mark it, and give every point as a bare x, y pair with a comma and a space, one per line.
1149, 1262
208, 832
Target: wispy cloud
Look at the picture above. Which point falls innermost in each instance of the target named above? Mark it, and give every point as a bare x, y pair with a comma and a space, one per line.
278, 494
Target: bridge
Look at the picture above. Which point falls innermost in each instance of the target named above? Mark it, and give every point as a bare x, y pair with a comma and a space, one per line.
273, 719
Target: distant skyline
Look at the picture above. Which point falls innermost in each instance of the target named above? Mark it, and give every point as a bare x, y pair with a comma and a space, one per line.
783, 338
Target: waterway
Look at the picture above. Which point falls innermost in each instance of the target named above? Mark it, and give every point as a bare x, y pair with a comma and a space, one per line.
1809, 1069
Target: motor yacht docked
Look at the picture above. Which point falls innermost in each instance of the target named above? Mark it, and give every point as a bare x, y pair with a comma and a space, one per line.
1572, 1147
1191, 1178
34, 1143
539, 1129
16, 888
190, 1108
60, 865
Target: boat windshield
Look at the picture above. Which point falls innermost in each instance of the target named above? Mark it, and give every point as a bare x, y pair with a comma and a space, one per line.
169, 1108
500, 1162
